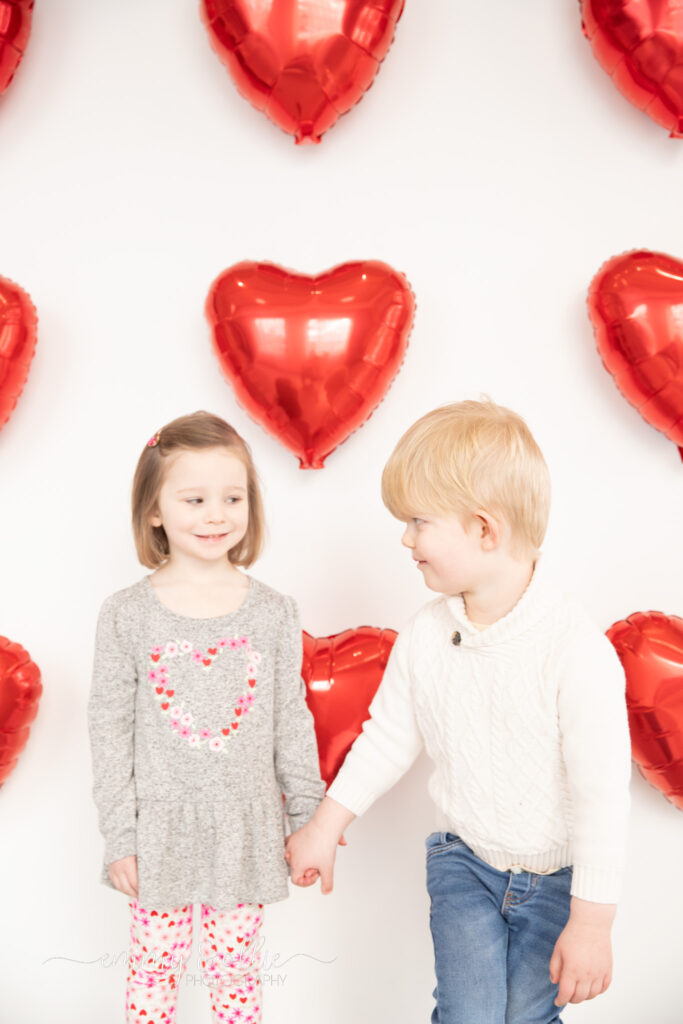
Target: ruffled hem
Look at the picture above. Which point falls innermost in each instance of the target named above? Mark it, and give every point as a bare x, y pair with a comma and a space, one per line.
214, 853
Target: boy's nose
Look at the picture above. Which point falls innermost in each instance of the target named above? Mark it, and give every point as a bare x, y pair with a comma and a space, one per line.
407, 538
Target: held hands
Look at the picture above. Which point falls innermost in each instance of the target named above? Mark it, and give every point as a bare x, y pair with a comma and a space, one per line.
582, 959
310, 853
124, 875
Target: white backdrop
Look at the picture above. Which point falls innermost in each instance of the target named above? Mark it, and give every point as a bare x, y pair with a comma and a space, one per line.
495, 164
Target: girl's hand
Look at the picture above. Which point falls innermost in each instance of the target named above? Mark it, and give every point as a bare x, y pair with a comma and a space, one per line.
124, 875
582, 959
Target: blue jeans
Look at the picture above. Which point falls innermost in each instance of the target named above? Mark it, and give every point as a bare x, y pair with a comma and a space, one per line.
494, 933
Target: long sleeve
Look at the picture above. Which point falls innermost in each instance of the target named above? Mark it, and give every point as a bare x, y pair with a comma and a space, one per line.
297, 767
597, 753
390, 740
111, 720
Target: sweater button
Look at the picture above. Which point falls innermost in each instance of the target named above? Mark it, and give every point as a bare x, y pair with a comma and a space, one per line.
456, 638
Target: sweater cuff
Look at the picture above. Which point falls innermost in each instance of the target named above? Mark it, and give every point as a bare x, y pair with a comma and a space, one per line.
597, 885
352, 795
303, 816
124, 845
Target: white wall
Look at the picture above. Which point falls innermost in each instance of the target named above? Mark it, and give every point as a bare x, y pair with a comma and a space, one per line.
496, 165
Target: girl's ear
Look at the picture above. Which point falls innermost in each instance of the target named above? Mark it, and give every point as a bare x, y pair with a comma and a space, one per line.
155, 519
489, 529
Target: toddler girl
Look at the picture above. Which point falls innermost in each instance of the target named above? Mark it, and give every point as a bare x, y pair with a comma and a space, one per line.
198, 725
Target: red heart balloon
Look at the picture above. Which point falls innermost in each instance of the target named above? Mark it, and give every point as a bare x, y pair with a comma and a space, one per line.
640, 45
342, 673
650, 646
635, 303
310, 357
15, 28
20, 690
302, 62
17, 344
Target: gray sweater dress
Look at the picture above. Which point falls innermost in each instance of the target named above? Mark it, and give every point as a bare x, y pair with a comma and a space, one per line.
198, 727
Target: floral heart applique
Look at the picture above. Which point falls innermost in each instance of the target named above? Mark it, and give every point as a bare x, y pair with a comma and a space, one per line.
182, 722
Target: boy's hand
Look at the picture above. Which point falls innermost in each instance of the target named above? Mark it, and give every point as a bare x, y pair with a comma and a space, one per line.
310, 875
124, 875
582, 959
310, 852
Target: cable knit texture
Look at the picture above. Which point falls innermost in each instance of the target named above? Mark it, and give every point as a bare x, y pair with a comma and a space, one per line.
526, 723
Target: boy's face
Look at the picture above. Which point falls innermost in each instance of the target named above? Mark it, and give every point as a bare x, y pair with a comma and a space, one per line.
448, 552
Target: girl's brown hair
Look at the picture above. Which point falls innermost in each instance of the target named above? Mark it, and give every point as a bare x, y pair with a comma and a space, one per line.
190, 433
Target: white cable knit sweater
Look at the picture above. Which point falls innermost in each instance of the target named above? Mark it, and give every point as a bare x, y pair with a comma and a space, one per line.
526, 724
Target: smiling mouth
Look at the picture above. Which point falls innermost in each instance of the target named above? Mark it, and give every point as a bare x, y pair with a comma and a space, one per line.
211, 536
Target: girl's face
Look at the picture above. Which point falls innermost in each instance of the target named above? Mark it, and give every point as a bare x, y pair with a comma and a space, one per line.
203, 504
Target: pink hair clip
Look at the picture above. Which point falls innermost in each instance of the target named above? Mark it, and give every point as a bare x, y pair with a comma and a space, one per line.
154, 441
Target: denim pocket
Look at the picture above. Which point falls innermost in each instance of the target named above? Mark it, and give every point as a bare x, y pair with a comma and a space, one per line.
433, 840
440, 842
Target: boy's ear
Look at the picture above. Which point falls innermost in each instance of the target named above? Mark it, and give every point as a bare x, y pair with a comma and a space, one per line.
489, 529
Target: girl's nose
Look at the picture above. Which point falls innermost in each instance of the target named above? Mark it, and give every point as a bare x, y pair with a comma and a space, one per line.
215, 513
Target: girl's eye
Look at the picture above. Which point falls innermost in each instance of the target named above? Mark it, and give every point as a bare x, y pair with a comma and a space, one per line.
193, 501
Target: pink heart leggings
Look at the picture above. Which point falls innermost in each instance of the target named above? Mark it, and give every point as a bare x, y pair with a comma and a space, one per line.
160, 945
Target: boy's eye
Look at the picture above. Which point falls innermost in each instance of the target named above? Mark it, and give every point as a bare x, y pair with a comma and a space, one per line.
418, 522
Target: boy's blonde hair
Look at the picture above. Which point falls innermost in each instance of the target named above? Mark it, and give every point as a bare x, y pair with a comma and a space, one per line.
195, 432
471, 455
